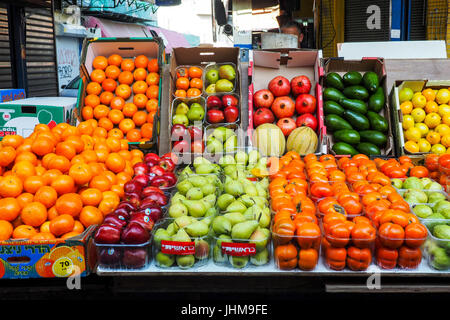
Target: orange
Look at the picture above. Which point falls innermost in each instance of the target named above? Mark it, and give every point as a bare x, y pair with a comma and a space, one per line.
26, 156
129, 109
59, 162
52, 213
193, 92
115, 133
63, 184
122, 178
125, 77
66, 150
34, 214
87, 112
9, 209
134, 135
153, 92
47, 196
139, 87
69, 235
12, 141
123, 91
180, 93
100, 62
10, 186
140, 118
24, 232
81, 173
45, 227
106, 123
85, 128
78, 227
112, 72
70, 131
43, 236
51, 174
76, 142
101, 111
63, 223
91, 215
140, 74
141, 61
107, 206
88, 141
123, 143
126, 125
153, 65
151, 117
106, 97
100, 132
152, 78
136, 153
98, 75
112, 196
102, 154
89, 156
195, 83
100, 182
125, 154
113, 144
115, 60
69, 203
117, 189
24, 169
115, 116
93, 88
7, 156
147, 130
6, 230
127, 65
33, 183
151, 105
115, 162
195, 72
182, 83
91, 197
96, 168
109, 85
24, 199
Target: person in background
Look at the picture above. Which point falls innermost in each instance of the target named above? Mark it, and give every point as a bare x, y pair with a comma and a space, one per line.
294, 28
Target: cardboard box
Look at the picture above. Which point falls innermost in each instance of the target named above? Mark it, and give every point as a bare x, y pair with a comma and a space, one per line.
127, 48
21, 116
25, 259
201, 57
415, 85
267, 64
11, 94
342, 66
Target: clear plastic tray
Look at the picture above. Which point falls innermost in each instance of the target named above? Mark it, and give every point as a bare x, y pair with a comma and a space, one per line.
208, 130
437, 251
177, 69
217, 66
123, 256
201, 100
220, 95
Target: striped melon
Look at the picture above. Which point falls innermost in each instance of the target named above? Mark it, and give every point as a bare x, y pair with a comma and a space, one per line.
303, 140
269, 139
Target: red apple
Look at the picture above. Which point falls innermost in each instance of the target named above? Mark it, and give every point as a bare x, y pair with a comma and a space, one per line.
307, 119
229, 100
231, 114
263, 115
286, 125
109, 256
181, 146
283, 107
141, 179
213, 102
135, 233
300, 84
134, 258
179, 132
140, 168
151, 157
263, 99
305, 103
197, 146
143, 219
279, 86
215, 116
115, 219
132, 186
196, 133
108, 233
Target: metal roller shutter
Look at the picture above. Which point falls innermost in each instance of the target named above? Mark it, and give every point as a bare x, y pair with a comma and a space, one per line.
6, 76
356, 16
42, 76
417, 25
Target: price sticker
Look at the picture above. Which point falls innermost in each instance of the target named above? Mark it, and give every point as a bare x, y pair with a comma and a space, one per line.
63, 267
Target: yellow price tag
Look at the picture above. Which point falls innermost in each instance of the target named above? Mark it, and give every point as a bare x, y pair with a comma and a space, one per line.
63, 267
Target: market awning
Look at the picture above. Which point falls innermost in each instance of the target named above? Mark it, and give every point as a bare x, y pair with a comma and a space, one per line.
119, 29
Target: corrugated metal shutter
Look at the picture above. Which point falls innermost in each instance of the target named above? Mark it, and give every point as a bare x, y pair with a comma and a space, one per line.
331, 29
356, 21
417, 26
6, 77
42, 76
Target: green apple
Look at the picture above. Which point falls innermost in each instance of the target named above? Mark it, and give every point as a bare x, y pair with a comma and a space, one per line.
212, 76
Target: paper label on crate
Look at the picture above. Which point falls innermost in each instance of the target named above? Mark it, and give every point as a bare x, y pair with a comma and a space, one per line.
6, 131
238, 249
178, 248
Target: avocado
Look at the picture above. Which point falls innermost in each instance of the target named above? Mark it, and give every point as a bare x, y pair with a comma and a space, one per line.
370, 81
377, 100
377, 122
344, 148
377, 138
352, 78
369, 149
357, 120
333, 94
349, 136
332, 107
356, 92
335, 122
354, 105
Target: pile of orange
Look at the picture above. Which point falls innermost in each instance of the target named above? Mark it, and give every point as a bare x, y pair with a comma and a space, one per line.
61, 180
122, 96
188, 83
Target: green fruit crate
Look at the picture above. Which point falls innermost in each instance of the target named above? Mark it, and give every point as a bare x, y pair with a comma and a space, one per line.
415, 86
341, 67
127, 48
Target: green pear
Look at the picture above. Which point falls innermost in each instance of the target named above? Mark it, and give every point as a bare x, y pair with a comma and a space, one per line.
181, 236
234, 217
261, 258
247, 200
177, 197
186, 261
260, 190
249, 187
221, 225
435, 197
180, 119
197, 180
160, 235
184, 186
234, 188
213, 145
209, 200
230, 144
196, 208
236, 206
172, 229
164, 260
397, 183
241, 157
264, 182
224, 85
183, 221
200, 160
239, 262
227, 71
212, 75
224, 200
218, 256
211, 212
440, 260
443, 207
194, 194
222, 238
253, 156
227, 160
264, 219
196, 112
208, 188
222, 133
182, 108
211, 89
261, 202
177, 209
253, 213
201, 249
243, 230
231, 171
197, 229
260, 237
205, 168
